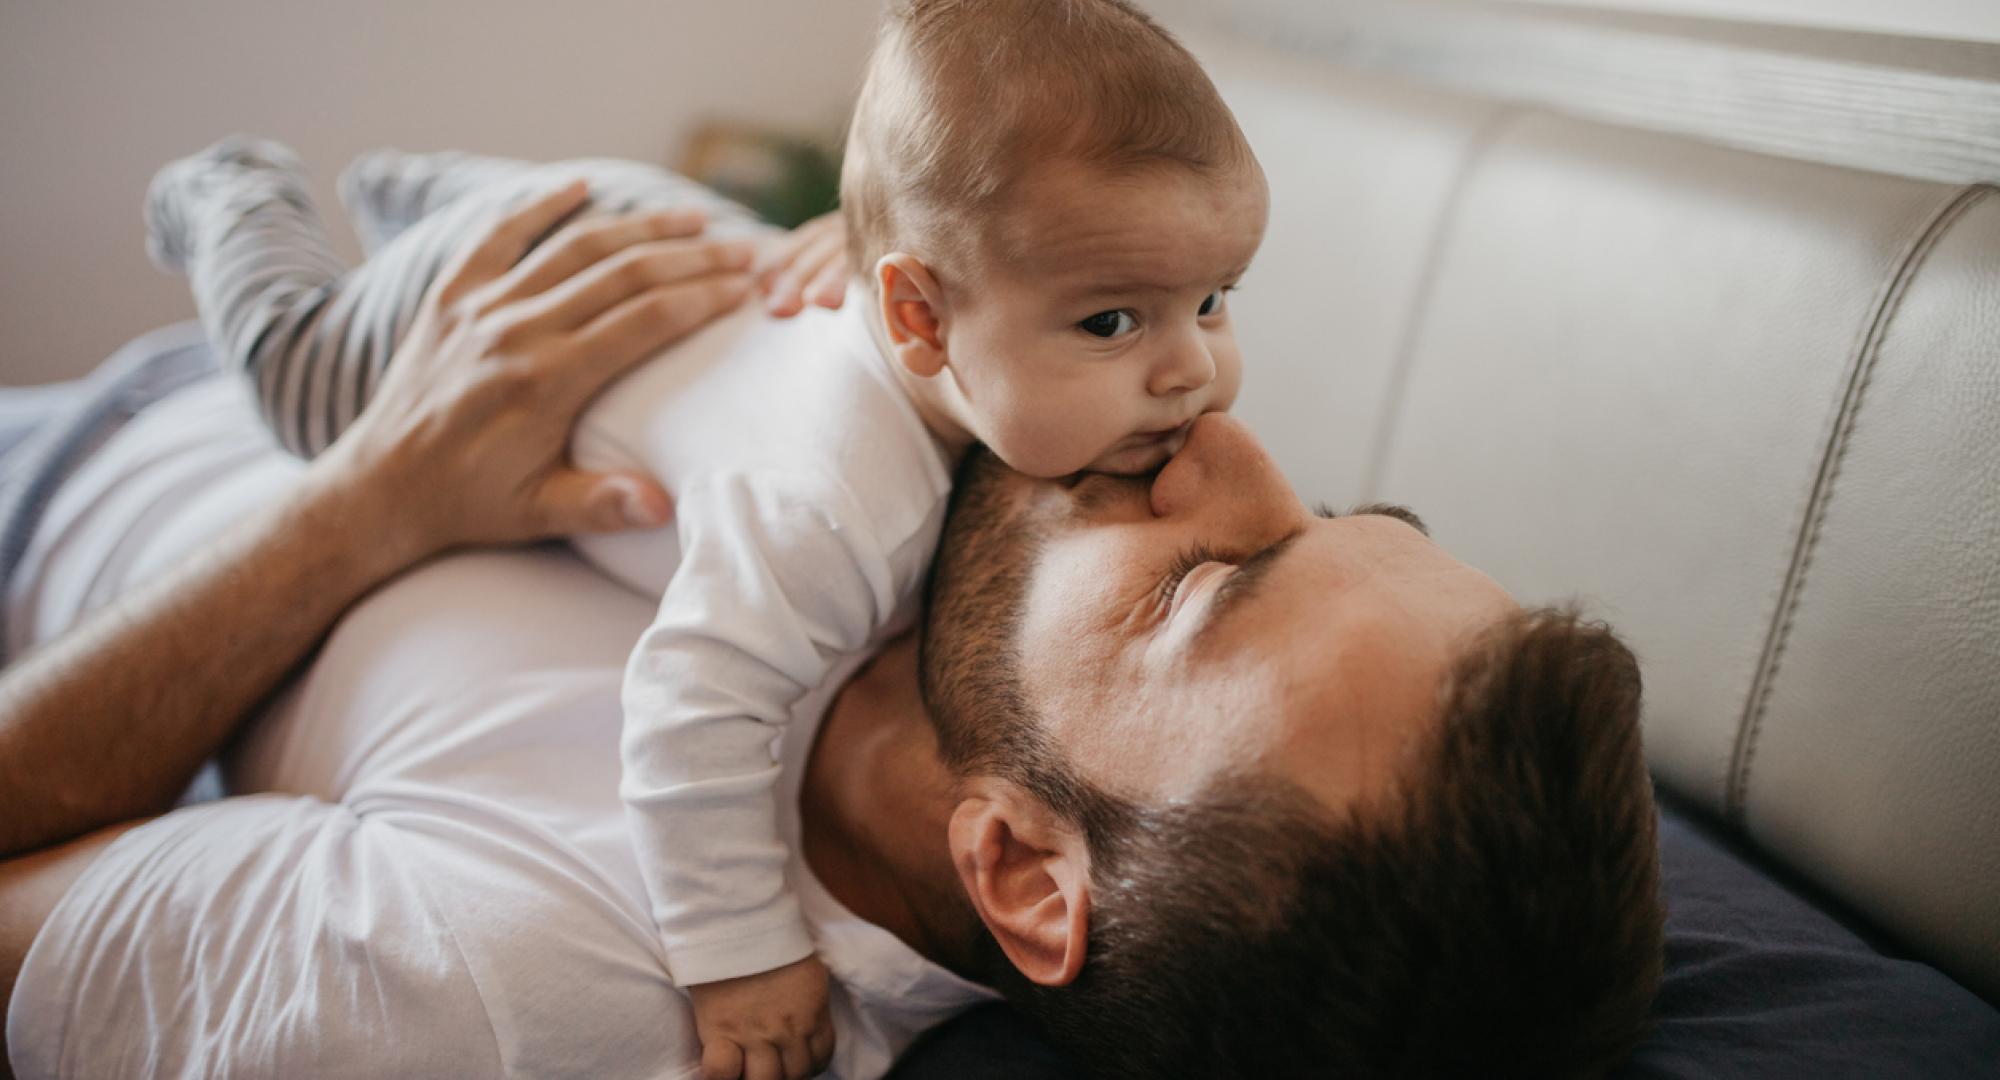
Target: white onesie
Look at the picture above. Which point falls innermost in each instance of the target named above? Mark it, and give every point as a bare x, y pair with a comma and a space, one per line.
810, 493
809, 497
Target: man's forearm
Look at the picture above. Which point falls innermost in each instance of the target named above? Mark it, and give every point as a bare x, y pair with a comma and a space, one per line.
113, 719
464, 442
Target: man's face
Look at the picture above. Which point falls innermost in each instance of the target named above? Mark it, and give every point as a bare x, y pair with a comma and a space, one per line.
1166, 629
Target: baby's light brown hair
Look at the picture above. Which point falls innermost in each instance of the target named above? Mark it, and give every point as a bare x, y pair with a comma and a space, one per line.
963, 98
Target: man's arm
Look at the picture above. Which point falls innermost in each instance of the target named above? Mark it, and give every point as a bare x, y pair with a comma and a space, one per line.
465, 443
114, 719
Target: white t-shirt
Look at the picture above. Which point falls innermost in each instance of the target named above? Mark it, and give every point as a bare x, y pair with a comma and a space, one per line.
437, 877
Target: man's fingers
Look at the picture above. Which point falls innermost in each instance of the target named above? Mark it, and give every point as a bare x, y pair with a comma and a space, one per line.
508, 238
721, 1060
571, 501
586, 243
604, 286
613, 341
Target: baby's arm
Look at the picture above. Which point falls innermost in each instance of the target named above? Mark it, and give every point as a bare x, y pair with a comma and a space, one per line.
780, 577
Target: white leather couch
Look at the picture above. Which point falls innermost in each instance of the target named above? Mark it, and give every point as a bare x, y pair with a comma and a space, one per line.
1745, 408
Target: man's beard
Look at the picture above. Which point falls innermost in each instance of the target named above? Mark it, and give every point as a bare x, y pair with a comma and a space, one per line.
968, 669
969, 654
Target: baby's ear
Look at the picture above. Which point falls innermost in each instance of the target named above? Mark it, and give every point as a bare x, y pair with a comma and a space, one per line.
912, 312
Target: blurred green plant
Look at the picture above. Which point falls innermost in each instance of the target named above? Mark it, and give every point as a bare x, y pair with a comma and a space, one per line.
786, 179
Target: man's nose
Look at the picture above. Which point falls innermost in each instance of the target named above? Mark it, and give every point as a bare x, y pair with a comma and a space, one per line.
1222, 469
1185, 367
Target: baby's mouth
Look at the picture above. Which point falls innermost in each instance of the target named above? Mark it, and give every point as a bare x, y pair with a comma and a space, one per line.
1173, 438
1145, 451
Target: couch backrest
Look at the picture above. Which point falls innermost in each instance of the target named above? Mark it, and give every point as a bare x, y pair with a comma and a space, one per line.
1745, 408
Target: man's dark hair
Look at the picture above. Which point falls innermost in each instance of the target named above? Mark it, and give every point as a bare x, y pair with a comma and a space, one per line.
1497, 914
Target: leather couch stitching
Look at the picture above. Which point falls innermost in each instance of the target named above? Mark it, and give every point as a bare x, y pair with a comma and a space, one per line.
1860, 370
1391, 407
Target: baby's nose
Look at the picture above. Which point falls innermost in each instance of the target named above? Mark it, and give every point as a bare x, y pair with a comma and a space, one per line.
1187, 368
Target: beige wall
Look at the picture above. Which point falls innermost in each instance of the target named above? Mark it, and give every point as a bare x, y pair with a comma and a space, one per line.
95, 94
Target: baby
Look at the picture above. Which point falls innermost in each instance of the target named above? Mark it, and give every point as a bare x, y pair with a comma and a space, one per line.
1048, 203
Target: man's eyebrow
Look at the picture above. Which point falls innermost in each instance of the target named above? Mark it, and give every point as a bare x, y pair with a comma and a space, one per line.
1242, 585
1401, 513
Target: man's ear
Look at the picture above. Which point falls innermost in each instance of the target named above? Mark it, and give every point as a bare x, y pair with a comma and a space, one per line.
1028, 875
912, 312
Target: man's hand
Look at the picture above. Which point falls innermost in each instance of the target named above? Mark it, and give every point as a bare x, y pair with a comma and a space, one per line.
466, 441
463, 443
808, 266
767, 1026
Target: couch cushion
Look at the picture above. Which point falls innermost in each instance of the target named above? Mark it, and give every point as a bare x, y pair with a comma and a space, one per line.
1871, 755
1361, 171
1633, 352
1623, 367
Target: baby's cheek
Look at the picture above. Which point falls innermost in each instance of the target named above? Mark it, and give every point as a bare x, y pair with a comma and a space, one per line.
1228, 378
1091, 427
1046, 452
1051, 436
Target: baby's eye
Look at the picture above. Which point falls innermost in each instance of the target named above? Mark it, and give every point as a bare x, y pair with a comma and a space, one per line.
1211, 303
1109, 324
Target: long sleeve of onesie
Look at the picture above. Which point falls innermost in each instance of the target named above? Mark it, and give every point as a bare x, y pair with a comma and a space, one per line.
780, 577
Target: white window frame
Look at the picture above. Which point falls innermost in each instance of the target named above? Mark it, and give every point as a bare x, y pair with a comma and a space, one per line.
1952, 20
1919, 107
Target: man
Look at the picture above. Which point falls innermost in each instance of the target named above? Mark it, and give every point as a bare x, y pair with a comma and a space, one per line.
1207, 784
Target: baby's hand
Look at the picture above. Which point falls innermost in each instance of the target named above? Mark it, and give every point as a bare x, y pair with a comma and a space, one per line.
765, 1026
807, 266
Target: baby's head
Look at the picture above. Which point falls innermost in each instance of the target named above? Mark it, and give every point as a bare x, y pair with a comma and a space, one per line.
1049, 201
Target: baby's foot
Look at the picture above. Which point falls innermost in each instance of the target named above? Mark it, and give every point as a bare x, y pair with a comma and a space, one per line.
190, 193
